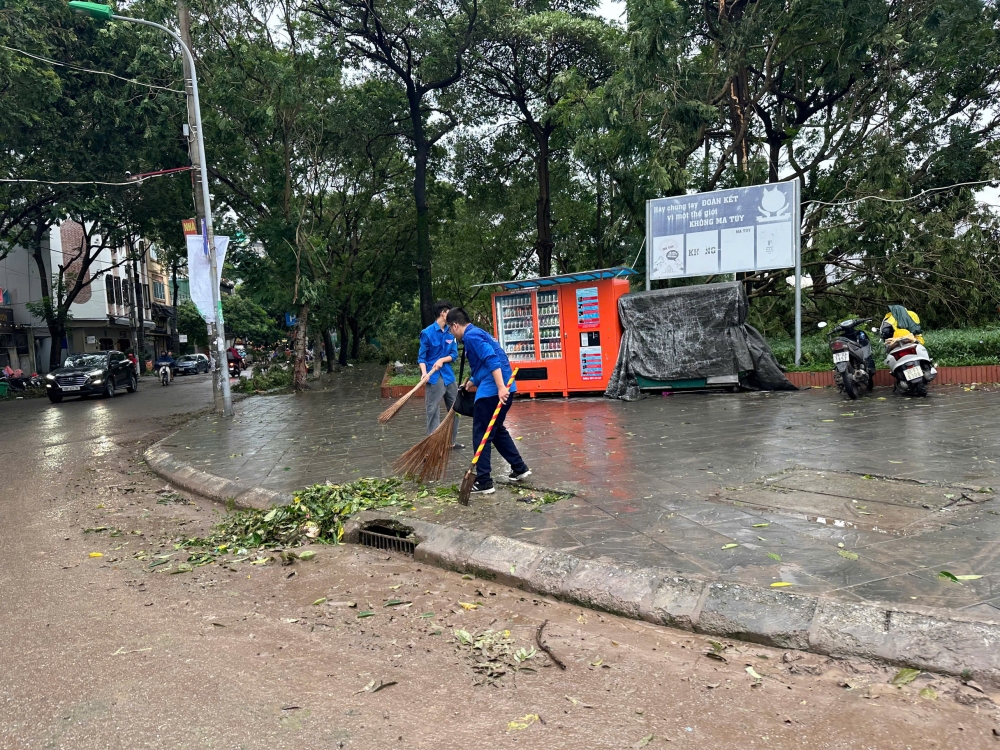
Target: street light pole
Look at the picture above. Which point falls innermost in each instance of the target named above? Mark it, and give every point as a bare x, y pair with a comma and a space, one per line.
103, 12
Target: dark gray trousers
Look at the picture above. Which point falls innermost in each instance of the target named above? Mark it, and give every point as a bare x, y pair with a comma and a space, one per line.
433, 395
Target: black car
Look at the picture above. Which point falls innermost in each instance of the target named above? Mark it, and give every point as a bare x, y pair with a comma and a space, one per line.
191, 364
91, 374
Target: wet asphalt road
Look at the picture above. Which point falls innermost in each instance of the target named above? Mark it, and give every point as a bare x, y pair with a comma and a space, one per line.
80, 428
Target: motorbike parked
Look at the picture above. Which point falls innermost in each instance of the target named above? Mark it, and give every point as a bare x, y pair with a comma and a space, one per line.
910, 365
853, 364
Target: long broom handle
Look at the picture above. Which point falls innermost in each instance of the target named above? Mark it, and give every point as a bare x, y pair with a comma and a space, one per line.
489, 427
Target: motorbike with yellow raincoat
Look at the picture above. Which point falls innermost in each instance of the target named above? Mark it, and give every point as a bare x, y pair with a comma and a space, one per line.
906, 355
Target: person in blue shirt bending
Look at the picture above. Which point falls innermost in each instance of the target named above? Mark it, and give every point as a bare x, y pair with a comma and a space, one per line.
438, 349
490, 372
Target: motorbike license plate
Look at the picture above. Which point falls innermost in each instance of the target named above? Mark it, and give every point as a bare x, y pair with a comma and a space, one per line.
912, 373
71, 387
841, 356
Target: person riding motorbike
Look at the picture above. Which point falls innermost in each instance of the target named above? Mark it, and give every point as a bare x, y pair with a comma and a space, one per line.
233, 356
166, 359
900, 322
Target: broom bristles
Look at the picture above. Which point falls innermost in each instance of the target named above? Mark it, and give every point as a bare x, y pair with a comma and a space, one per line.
394, 409
428, 459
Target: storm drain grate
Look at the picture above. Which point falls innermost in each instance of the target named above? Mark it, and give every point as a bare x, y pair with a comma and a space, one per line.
386, 539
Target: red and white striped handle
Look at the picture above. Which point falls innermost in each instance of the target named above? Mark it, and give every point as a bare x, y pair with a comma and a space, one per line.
489, 427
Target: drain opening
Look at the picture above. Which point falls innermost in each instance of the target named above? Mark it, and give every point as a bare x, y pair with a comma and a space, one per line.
388, 538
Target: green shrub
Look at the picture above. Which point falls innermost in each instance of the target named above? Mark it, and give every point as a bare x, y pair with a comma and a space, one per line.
947, 347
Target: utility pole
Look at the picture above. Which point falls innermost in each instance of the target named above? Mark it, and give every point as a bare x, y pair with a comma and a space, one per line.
184, 22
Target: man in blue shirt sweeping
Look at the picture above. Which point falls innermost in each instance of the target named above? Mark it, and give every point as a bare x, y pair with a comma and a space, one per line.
438, 349
490, 372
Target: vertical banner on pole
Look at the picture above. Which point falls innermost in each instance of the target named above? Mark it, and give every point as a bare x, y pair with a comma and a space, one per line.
200, 273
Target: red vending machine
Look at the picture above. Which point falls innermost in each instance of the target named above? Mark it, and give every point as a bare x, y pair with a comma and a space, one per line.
561, 332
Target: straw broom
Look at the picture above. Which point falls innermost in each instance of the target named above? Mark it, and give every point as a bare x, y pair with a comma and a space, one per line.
470, 475
393, 410
428, 459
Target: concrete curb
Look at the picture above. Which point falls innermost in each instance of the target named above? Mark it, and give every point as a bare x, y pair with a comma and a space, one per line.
185, 476
927, 639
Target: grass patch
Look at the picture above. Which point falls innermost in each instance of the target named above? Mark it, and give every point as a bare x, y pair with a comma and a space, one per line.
410, 376
410, 380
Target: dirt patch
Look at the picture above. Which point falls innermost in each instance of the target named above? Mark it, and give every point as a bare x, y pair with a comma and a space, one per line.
357, 648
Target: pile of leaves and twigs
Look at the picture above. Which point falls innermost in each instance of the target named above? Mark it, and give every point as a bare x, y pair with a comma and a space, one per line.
265, 377
316, 515
494, 654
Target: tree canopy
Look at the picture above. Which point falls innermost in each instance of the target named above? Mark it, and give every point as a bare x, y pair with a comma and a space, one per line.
378, 154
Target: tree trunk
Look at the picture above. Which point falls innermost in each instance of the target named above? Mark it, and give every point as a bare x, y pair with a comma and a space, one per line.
140, 331
57, 329
599, 235
543, 208
343, 341
328, 343
175, 339
355, 338
422, 150
300, 369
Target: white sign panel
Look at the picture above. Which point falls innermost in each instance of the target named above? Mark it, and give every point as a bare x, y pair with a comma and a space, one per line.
182, 338
725, 231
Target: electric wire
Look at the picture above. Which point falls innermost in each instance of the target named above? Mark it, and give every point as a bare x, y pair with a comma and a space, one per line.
134, 181
89, 70
899, 200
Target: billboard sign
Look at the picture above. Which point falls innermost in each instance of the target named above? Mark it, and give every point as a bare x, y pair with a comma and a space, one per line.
742, 229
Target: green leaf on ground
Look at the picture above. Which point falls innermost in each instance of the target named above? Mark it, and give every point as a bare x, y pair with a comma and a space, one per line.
780, 584
949, 577
321, 600
761, 525
849, 555
309, 554
968, 578
905, 676
729, 546
774, 556
365, 614
928, 694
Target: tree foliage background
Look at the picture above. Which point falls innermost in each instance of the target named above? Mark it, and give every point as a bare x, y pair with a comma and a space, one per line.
379, 154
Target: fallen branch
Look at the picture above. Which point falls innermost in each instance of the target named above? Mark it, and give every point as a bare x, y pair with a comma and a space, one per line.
546, 649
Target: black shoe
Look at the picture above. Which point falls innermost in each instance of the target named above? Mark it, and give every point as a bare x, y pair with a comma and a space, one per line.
515, 477
483, 489
457, 447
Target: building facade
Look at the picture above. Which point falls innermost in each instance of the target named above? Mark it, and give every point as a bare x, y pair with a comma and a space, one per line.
125, 305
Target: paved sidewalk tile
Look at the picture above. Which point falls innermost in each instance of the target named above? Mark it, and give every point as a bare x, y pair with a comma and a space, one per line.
796, 480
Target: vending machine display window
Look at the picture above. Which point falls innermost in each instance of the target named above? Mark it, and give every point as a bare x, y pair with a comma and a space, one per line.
516, 326
549, 329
